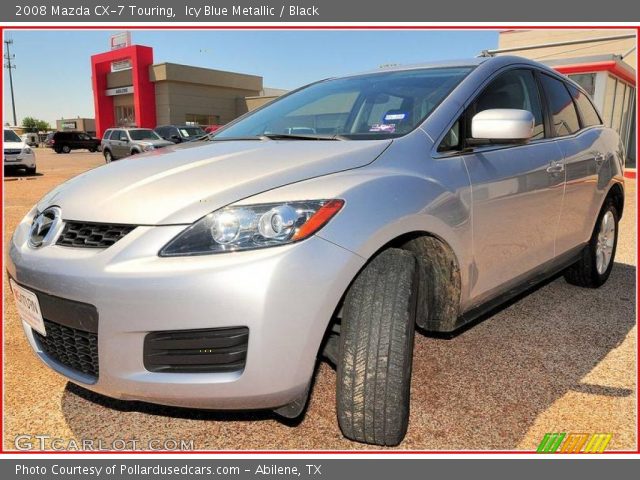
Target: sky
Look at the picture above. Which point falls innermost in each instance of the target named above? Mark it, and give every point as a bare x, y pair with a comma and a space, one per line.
52, 78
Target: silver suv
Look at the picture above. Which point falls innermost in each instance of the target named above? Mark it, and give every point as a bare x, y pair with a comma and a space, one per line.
329, 222
123, 142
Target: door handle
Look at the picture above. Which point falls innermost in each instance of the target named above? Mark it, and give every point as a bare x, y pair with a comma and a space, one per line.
555, 168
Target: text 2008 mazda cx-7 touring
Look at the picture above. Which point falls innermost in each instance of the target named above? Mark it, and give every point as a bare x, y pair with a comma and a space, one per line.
329, 222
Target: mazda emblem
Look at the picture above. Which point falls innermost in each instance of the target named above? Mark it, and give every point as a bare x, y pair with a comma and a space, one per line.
44, 227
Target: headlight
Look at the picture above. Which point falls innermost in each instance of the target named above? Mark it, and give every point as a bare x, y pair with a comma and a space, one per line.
26, 150
147, 148
236, 228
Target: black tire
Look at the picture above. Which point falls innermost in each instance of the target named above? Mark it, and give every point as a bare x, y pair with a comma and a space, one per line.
32, 170
66, 149
57, 150
92, 150
108, 157
376, 350
584, 273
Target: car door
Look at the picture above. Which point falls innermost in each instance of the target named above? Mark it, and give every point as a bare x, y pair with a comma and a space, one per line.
578, 135
517, 190
119, 144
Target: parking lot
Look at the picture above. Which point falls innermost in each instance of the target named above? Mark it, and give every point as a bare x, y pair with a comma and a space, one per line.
561, 359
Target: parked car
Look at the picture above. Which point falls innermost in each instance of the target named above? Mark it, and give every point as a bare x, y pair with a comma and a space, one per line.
215, 277
122, 142
64, 142
31, 139
180, 133
17, 154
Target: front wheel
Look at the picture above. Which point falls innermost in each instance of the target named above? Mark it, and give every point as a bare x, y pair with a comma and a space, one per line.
596, 262
108, 158
66, 149
376, 350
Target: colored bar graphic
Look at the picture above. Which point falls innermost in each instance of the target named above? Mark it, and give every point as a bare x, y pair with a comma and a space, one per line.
574, 442
550, 442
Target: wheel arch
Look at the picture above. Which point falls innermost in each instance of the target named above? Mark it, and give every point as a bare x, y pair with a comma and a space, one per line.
616, 193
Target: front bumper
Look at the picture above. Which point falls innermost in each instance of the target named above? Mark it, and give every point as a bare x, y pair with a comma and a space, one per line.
284, 295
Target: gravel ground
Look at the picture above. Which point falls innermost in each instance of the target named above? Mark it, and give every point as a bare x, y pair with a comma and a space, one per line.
560, 359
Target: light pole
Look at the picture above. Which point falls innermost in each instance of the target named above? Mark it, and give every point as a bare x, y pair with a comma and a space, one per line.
8, 57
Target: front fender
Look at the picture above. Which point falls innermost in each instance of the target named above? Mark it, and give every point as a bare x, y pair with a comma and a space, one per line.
382, 204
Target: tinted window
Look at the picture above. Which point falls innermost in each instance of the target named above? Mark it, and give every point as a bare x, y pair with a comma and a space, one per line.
106, 135
563, 112
588, 113
118, 135
514, 89
379, 105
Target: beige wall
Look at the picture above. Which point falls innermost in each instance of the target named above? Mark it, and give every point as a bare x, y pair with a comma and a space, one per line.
174, 100
519, 38
251, 103
119, 79
82, 124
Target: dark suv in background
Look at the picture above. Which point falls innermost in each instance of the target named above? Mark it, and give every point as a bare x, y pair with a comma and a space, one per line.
64, 142
180, 133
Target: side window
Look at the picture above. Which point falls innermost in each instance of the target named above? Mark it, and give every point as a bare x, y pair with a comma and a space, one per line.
562, 110
123, 136
515, 89
588, 113
106, 135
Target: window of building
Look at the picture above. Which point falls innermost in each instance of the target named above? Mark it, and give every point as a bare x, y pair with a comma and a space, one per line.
586, 81
125, 116
199, 119
563, 111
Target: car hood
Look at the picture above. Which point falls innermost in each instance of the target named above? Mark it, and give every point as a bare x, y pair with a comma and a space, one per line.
180, 185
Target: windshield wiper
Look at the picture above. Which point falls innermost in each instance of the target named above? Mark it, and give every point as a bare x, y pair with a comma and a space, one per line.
294, 136
231, 139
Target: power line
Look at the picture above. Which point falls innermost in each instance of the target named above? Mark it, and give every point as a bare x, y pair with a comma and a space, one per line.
10, 66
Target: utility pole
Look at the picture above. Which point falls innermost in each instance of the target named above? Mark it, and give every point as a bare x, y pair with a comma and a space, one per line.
8, 57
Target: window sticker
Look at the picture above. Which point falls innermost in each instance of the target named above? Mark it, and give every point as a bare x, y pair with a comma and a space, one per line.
382, 127
394, 116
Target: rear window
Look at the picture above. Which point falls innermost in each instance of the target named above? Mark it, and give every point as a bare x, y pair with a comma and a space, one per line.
563, 111
588, 113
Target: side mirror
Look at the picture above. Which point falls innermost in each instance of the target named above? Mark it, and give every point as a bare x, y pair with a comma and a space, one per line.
501, 125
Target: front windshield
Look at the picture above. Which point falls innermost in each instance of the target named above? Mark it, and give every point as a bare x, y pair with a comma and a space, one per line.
191, 132
379, 105
11, 136
143, 134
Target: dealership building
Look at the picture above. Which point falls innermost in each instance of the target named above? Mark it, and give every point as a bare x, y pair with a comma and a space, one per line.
129, 89
603, 62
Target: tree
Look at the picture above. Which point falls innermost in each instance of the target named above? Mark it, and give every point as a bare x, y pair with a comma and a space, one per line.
31, 124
